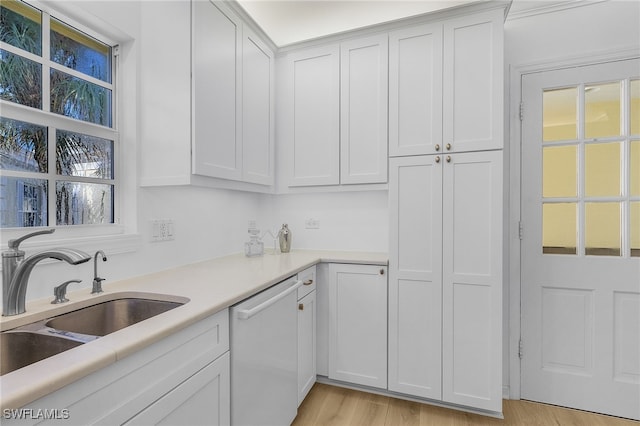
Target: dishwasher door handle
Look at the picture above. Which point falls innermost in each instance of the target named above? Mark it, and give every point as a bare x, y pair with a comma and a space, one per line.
248, 313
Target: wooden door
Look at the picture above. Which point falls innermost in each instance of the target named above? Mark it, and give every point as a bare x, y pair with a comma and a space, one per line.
581, 238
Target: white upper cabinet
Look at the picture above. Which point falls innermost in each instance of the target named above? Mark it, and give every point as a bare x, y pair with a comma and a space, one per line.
311, 134
257, 110
333, 115
217, 79
208, 116
363, 110
415, 90
445, 86
473, 82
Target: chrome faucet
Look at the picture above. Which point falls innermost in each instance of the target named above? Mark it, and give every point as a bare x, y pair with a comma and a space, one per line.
97, 281
16, 270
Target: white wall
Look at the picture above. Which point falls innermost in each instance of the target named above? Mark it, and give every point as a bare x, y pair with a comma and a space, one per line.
353, 221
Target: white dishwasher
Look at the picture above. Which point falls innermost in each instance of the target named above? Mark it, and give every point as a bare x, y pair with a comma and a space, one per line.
264, 357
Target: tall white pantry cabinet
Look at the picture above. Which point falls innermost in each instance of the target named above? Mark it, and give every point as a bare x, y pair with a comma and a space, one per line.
446, 197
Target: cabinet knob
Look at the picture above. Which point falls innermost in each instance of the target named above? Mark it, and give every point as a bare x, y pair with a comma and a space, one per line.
438, 159
301, 306
448, 158
437, 147
307, 282
448, 147
381, 271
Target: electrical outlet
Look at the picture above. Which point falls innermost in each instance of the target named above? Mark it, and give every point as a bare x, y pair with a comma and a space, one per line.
312, 224
162, 230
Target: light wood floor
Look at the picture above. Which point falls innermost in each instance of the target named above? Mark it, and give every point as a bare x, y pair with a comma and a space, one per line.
331, 405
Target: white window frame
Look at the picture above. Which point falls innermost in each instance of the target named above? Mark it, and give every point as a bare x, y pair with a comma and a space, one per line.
119, 236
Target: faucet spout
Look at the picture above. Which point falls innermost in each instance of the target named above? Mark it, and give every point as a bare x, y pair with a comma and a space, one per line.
14, 298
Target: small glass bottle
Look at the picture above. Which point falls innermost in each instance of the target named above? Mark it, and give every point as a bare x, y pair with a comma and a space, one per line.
253, 247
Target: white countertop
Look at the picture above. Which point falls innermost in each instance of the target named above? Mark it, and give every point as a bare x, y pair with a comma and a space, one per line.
208, 286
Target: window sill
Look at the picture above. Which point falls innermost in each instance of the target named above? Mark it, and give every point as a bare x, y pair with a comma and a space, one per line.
116, 243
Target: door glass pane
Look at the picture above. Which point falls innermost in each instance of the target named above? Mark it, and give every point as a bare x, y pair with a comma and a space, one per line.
76, 50
634, 168
602, 229
602, 110
559, 171
21, 26
635, 228
559, 228
83, 155
24, 202
560, 114
635, 107
20, 80
602, 169
23, 146
83, 203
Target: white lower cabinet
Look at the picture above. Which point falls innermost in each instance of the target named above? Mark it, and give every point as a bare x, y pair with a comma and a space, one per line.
358, 324
181, 379
306, 345
307, 335
445, 278
203, 399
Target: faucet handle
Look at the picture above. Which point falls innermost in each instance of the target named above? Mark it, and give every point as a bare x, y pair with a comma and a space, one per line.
13, 244
60, 292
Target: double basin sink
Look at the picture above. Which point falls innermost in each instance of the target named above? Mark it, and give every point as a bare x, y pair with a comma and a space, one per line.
34, 342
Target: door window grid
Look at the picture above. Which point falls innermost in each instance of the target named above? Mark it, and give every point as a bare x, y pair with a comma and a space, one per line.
592, 209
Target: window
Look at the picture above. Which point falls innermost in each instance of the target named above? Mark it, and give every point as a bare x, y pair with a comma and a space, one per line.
591, 169
58, 141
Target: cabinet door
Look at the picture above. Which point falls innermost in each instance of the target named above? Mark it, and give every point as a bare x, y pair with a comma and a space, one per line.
216, 109
472, 280
415, 90
358, 324
203, 399
473, 82
415, 276
306, 344
312, 133
363, 110
257, 110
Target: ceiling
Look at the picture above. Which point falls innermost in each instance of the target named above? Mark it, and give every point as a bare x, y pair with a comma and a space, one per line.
292, 21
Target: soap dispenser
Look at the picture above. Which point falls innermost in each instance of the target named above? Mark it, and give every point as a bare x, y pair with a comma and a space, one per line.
284, 237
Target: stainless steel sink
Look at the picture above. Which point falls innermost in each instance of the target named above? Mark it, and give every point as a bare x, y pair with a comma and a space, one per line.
107, 317
19, 349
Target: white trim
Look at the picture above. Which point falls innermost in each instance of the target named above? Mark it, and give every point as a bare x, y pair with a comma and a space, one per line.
542, 8
516, 72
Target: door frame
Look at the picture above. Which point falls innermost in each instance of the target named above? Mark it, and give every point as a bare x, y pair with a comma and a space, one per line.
512, 243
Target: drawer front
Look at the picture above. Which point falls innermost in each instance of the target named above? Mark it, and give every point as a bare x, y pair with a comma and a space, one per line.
308, 278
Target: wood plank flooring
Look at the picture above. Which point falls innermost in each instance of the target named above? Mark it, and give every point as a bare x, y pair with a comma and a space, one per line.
331, 405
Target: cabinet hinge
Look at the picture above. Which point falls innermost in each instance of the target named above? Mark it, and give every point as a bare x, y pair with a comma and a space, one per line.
520, 230
521, 111
520, 349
